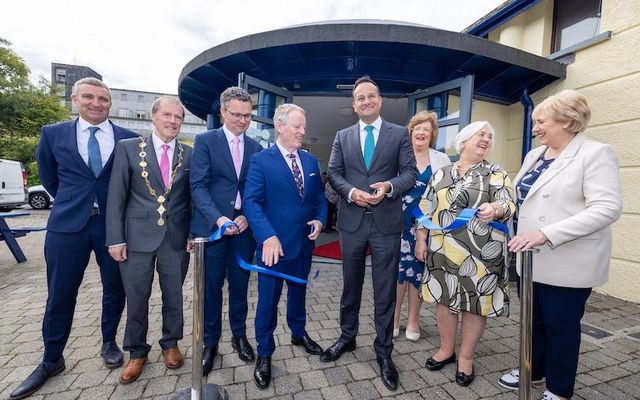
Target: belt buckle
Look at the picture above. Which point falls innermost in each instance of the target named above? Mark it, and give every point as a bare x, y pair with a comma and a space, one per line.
367, 210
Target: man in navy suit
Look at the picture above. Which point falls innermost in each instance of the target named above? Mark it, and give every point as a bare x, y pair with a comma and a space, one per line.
74, 162
218, 170
286, 209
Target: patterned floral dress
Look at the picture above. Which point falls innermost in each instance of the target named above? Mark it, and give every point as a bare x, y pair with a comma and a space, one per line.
466, 267
410, 269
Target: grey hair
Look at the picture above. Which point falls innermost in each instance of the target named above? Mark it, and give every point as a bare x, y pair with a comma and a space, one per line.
470, 130
234, 93
158, 102
282, 112
89, 81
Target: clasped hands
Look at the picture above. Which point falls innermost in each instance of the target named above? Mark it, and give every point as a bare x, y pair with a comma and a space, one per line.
362, 198
239, 225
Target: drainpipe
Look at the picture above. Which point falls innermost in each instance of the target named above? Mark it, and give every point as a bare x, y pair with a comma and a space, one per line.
528, 123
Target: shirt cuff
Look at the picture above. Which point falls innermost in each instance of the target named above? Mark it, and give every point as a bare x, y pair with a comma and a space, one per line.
349, 196
390, 194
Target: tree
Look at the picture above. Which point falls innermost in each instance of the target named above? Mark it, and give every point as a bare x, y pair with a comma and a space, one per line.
24, 107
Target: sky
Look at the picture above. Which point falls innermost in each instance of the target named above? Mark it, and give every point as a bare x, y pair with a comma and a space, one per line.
144, 44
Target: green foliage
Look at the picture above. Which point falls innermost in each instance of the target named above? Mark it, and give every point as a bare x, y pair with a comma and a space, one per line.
32, 170
18, 148
14, 73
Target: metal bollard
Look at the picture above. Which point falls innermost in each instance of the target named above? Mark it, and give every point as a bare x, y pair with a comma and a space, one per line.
526, 308
198, 391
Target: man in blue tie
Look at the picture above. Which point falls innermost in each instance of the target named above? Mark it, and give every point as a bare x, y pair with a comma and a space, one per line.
371, 165
74, 162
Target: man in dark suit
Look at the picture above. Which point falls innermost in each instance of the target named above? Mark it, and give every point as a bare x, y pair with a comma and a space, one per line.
218, 170
371, 165
74, 162
285, 206
148, 214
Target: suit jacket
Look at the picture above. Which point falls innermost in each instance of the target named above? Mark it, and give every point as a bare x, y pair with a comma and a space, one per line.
274, 208
214, 183
574, 202
67, 177
393, 161
438, 160
132, 212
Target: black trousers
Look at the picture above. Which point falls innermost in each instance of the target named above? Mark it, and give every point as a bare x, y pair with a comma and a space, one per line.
385, 257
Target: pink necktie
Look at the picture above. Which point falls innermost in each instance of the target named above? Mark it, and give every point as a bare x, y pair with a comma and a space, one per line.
164, 165
237, 163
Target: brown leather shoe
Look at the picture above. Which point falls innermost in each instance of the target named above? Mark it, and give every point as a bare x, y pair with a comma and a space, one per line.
133, 370
173, 358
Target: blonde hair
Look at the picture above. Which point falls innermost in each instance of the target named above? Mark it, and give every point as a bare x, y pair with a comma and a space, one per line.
567, 106
421, 118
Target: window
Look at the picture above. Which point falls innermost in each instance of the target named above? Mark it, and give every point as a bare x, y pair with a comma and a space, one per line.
61, 75
140, 98
123, 113
123, 96
139, 114
575, 21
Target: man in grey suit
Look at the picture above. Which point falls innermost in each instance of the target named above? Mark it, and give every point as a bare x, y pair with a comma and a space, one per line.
371, 165
148, 214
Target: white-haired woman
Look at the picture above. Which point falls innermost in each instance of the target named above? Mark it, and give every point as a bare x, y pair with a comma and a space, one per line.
466, 267
568, 196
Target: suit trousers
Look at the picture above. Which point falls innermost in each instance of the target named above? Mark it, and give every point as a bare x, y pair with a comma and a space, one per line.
137, 276
269, 291
556, 335
67, 256
220, 263
385, 258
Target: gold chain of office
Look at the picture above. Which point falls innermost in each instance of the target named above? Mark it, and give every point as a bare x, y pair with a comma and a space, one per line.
145, 175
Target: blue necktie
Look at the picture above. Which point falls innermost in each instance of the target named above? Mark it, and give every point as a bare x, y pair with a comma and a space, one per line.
369, 146
95, 159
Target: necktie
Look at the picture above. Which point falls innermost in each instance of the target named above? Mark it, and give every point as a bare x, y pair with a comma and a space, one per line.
164, 165
369, 146
297, 175
95, 159
237, 164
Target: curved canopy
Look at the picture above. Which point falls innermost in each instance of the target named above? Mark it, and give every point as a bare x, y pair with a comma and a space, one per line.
401, 57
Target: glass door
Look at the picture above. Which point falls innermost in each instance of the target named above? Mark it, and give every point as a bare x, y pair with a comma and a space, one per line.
265, 98
452, 101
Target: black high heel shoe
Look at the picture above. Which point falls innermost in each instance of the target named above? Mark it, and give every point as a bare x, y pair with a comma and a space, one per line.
463, 379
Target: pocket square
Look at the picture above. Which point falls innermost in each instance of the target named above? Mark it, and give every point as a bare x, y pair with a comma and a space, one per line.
312, 174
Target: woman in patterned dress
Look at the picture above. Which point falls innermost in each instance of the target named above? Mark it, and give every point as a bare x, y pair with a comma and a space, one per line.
466, 267
423, 131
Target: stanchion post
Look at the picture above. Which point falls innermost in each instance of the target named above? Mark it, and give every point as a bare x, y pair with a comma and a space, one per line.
198, 391
526, 307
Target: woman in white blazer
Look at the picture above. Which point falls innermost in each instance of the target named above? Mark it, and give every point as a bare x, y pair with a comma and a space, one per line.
568, 196
423, 131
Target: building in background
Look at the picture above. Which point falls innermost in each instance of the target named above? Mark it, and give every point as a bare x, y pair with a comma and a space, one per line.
130, 109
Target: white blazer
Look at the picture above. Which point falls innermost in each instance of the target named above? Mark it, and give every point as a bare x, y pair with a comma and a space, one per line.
437, 160
574, 202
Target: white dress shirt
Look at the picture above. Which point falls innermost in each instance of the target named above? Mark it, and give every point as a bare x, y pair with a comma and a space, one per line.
285, 154
157, 146
363, 134
104, 135
229, 135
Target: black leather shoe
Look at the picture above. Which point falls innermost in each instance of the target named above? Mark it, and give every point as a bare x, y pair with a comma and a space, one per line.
388, 373
434, 365
334, 352
112, 355
37, 378
208, 354
243, 347
262, 373
463, 379
310, 346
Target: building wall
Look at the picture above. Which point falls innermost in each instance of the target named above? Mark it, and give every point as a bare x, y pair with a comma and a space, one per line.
608, 74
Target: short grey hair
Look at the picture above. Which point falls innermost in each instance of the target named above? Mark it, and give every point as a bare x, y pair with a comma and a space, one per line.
89, 81
158, 102
470, 131
233, 93
282, 112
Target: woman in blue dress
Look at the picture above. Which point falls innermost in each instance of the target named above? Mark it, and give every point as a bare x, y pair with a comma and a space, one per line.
423, 129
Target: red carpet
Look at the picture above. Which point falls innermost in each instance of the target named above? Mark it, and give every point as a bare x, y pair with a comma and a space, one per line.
331, 250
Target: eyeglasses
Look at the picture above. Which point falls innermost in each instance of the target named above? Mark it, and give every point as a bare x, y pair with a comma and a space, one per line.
239, 116
421, 129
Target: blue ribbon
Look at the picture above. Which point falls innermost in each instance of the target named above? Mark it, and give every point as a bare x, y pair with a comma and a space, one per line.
262, 270
461, 220
218, 234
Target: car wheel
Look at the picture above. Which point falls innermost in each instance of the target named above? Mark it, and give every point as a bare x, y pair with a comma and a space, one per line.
39, 201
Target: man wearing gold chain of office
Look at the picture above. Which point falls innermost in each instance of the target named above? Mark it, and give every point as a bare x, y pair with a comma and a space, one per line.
148, 214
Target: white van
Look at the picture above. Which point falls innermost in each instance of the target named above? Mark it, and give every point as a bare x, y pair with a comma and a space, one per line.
13, 184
